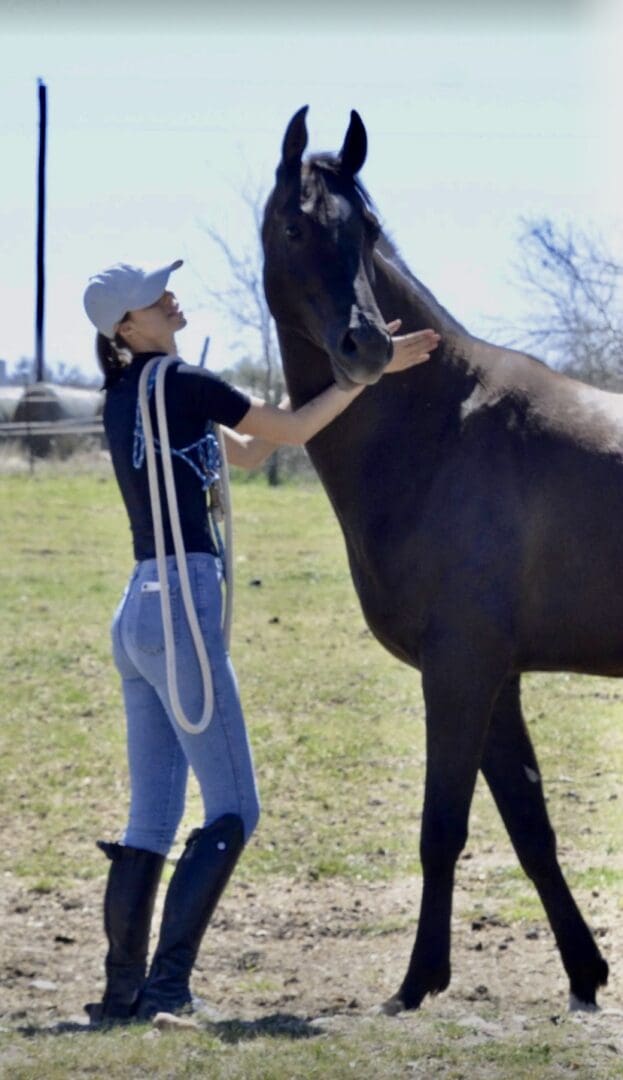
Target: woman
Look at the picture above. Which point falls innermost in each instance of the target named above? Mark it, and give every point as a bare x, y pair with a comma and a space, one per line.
136, 318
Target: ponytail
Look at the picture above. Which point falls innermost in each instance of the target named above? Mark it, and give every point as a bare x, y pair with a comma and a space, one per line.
112, 356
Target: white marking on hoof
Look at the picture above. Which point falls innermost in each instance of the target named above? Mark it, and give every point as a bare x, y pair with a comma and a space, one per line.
392, 1006
165, 1021
532, 775
577, 1005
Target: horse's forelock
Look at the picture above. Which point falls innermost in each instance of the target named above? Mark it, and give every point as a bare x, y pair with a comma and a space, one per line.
316, 171
315, 194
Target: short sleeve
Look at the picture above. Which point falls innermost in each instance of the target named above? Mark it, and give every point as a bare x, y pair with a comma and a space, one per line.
210, 397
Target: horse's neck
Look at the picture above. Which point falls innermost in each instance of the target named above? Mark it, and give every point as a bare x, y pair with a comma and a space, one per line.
306, 367
405, 415
425, 398
400, 295
420, 400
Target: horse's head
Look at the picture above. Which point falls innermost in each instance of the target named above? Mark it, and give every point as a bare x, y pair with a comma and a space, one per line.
318, 236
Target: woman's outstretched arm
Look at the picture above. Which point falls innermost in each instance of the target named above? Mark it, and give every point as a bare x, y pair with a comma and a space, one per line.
283, 427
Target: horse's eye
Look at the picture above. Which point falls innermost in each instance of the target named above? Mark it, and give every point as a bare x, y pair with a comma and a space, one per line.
293, 232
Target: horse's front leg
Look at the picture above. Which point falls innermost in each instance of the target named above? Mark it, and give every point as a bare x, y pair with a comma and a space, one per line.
459, 695
511, 771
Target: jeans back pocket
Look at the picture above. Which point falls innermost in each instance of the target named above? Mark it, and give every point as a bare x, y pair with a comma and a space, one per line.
149, 627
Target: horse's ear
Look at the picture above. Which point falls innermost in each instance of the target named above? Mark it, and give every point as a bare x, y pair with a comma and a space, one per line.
294, 143
353, 152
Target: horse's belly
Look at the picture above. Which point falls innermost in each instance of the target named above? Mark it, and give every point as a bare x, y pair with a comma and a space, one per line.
571, 614
569, 640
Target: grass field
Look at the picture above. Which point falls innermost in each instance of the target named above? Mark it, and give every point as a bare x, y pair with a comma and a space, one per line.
337, 730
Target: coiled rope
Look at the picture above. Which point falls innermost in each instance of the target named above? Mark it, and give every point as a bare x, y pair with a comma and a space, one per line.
220, 508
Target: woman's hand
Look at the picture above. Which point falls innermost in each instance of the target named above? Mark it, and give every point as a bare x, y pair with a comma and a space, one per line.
410, 349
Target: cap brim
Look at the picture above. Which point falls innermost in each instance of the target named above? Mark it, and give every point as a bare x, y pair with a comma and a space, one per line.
153, 285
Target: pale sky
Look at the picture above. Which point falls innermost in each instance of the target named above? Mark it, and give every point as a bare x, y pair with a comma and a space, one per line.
476, 117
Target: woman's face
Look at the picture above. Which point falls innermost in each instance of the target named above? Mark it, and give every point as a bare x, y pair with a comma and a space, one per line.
153, 327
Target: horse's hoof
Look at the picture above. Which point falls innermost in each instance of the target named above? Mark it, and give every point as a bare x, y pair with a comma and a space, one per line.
577, 1005
392, 1006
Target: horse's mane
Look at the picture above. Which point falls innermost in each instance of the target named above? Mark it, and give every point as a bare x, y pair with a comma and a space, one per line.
318, 168
424, 298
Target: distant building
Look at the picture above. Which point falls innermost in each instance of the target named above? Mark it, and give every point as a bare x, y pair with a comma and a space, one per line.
3, 374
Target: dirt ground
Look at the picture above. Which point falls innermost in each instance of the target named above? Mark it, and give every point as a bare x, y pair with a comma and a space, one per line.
332, 950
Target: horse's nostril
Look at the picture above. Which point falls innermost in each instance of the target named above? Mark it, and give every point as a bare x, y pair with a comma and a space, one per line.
349, 345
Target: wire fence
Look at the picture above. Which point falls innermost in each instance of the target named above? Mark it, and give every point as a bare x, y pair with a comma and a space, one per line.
65, 438
23, 428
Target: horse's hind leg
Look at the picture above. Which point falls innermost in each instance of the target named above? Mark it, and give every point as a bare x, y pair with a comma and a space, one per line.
511, 771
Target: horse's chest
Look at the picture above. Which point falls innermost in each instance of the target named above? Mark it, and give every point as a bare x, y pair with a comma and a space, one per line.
387, 572
380, 496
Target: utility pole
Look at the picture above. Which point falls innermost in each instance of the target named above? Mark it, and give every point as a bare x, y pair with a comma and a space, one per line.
40, 311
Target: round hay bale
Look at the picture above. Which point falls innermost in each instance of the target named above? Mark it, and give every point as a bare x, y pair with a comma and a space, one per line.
48, 402
9, 398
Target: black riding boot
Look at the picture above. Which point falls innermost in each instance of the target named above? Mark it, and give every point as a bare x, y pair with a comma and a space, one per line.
200, 876
128, 907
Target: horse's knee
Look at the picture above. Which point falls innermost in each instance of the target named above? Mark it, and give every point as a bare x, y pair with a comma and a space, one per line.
441, 844
537, 852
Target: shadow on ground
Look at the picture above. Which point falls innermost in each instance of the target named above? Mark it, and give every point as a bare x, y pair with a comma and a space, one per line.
276, 1026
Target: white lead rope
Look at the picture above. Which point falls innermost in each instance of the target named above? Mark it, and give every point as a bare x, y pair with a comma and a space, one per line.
180, 553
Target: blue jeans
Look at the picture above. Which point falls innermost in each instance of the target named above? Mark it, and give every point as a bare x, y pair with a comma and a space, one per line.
159, 751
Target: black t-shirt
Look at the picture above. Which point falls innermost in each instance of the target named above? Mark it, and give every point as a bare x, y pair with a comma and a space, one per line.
193, 397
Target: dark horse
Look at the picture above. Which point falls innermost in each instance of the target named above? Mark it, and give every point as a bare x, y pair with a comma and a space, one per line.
481, 500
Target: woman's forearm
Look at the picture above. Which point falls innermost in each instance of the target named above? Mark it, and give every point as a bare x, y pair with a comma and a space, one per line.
246, 451
285, 428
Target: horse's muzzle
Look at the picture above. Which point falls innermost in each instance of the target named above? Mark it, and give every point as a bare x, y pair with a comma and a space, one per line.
363, 353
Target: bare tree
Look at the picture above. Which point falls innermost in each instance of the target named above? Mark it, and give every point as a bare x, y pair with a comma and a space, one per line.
577, 322
22, 373
243, 301
61, 374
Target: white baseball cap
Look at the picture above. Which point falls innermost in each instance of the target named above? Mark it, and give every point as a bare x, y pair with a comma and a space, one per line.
121, 288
